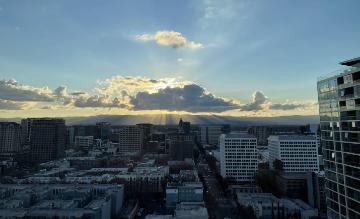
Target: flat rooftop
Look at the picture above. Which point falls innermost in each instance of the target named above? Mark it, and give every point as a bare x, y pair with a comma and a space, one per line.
238, 135
351, 62
295, 137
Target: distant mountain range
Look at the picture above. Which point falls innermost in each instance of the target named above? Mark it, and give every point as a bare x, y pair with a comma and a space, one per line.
172, 119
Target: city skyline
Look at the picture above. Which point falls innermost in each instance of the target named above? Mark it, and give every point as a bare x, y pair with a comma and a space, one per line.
236, 58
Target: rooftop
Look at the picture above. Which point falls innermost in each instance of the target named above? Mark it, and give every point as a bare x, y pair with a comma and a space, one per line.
295, 137
238, 135
351, 62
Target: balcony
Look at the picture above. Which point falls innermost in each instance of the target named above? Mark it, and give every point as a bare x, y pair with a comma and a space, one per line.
341, 71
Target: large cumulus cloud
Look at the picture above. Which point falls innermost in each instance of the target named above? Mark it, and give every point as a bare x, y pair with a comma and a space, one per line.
169, 38
258, 99
133, 93
14, 91
260, 103
191, 98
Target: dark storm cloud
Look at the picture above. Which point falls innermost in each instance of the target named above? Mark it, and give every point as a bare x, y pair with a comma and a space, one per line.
190, 98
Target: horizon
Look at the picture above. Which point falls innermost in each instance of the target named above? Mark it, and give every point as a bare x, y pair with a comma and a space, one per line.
123, 58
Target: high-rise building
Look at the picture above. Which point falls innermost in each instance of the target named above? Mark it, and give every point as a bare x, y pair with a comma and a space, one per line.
238, 157
298, 153
129, 139
184, 127
316, 191
209, 134
84, 130
181, 143
10, 135
339, 109
47, 139
103, 130
146, 130
261, 133
159, 137
25, 131
85, 143
181, 146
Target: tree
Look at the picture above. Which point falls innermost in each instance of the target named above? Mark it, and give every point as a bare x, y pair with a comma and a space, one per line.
266, 179
247, 212
278, 165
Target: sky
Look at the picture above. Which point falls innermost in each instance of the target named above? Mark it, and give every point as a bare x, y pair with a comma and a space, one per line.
228, 57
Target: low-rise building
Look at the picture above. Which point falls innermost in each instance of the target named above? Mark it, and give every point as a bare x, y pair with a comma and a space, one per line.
183, 192
61, 201
266, 205
184, 187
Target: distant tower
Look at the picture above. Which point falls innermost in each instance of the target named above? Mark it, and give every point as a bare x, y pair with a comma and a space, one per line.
184, 127
9, 138
181, 126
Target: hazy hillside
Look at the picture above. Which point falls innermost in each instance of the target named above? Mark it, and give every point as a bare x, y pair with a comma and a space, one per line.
170, 119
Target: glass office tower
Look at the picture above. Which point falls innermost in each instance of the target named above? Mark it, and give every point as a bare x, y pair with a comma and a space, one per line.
339, 108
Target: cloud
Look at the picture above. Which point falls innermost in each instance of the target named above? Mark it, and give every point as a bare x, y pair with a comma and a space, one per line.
48, 107
169, 38
190, 98
223, 13
11, 105
116, 85
99, 102
61, 92
257, 103
78, 93
261, 103
136, 94
286, 106
14, 91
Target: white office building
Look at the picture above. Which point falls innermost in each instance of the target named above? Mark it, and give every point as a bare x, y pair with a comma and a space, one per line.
238, 157
299, 153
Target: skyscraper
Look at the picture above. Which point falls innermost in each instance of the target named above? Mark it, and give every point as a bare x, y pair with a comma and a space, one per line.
210, 133
25, 131
9, 138
339, 108
261, 133
145, 133
47, 139
103, 129
181, 143
184, 127
129, 139
181, 146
